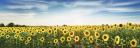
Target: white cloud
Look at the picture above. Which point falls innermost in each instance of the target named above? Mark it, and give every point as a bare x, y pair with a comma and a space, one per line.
28, 5
122, 10
84, 4
73, 16
124, 3
15, 17
88, 3
82, 17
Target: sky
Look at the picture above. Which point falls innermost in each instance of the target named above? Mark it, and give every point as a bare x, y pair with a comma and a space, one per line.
71, 12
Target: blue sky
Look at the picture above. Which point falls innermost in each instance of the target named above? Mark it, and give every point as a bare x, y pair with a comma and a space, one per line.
72, 12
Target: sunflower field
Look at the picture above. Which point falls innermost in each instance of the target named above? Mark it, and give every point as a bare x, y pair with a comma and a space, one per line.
86, 36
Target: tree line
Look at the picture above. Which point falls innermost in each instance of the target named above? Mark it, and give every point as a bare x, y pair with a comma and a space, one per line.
11, 25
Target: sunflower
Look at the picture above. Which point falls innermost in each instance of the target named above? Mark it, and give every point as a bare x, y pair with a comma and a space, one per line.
42, 39
90, 38
16, 36
7, 36
86, 33
133, 43
120, 25
21, 38
26, 42
29, 38
68, 39
17, 32
55, 41
49, 31
117, 39
71, 34
32, 33
55, 32
105, 37
2, 34
76, 38
62, 39
65, 32
42, 30
97, 35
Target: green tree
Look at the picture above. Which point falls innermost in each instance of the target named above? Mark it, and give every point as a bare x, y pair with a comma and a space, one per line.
11, 24
2, 25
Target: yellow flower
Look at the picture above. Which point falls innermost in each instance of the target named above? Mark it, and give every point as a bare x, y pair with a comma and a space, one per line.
86, 33
62, 39
17, 32
120, 25
21, 38
105, 37
42, 39
55, 32
97, 35
7, 36
90, 38
76, 38
43, 30
68, 39
55, 41
49, 31
2, 34
26, 42
117, 40
29, 38
133, 43
16, 36
32, 33
71, 34
65, 32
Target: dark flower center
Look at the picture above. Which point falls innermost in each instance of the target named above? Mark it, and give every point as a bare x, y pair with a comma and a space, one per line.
76, 38
86, 32
71, 33
116, 39
105, 37
133, 43
90, 38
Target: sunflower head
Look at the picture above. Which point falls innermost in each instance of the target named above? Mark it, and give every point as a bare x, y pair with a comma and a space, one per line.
42, 39
55, 32
26, 42
65, 32
97, 35
76, 38
133, 43
62, 39
71, 34
105, 37
17, 32
90, 38
32, 33
86, 33
21, 38
49, 31
16, 36
117, 39
7, 36
55, 41
69, 39
42, 30
2, 34
129, 24
29, 38
120, 25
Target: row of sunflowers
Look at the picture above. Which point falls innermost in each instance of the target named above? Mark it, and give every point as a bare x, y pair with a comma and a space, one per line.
87, 36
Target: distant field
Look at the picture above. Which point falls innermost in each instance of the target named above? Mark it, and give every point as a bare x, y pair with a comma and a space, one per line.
97, 36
